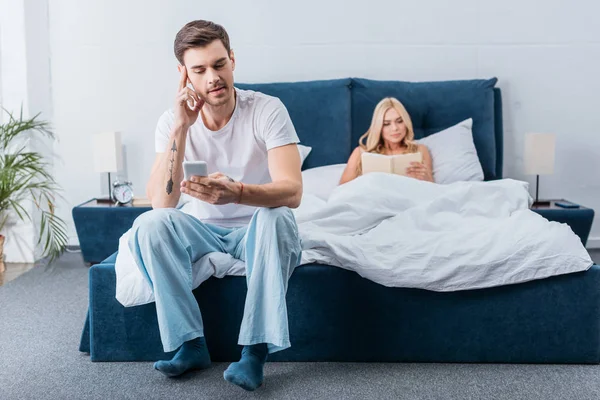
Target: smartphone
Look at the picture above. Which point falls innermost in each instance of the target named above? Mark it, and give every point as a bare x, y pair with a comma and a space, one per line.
566, 204
194, 168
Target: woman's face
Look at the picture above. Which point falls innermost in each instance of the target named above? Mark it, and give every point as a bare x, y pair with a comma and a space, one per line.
394, 130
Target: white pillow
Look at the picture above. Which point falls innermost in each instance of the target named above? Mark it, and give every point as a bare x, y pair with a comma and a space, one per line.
320, 181
453, 154
304, 152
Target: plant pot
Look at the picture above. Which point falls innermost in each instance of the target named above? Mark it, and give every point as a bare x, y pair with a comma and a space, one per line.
2, 267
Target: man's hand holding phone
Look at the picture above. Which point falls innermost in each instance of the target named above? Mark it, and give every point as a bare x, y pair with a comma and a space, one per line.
187, 104
216, 188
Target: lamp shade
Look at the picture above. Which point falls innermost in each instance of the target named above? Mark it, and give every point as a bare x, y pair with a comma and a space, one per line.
108, 153
539, 153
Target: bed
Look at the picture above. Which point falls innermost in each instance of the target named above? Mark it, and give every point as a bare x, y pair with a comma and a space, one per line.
337, 315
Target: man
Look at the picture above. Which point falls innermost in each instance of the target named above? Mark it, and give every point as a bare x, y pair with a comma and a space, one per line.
242, 208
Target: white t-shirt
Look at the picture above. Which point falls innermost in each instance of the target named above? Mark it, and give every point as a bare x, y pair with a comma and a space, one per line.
259, 123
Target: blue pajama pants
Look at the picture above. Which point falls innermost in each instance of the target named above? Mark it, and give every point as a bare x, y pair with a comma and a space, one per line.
166, 242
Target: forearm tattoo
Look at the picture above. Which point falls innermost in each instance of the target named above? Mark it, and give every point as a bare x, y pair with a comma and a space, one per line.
170, 182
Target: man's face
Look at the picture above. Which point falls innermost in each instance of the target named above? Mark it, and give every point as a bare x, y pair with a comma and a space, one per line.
210, 71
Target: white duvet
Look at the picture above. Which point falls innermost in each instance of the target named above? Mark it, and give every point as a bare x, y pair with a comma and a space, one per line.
402, 232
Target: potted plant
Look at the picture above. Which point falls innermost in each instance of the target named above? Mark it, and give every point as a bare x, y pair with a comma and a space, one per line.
24, 177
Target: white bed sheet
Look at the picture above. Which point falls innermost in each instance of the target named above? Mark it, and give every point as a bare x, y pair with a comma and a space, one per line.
401, 232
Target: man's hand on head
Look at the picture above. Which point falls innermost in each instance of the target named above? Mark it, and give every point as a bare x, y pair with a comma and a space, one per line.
187, 103
217, 188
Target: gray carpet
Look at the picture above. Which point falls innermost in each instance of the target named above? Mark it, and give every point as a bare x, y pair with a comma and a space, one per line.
41, 316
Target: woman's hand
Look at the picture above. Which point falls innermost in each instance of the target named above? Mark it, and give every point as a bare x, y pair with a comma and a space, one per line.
419, 170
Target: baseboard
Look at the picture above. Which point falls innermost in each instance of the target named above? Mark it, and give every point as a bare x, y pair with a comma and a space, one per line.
593, 242
73, 240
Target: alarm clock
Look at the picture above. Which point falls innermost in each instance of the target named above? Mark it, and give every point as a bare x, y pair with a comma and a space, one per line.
122, 193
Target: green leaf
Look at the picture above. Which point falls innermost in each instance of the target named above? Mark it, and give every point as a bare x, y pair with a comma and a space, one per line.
24, 177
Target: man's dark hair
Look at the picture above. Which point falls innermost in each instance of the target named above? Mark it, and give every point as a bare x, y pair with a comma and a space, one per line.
199, 33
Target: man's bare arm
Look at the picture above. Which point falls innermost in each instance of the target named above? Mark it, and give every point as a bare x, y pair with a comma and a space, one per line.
286, 186
163, 188
284, 190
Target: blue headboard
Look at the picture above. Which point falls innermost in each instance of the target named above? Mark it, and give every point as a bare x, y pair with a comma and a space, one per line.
331, 115
320, 111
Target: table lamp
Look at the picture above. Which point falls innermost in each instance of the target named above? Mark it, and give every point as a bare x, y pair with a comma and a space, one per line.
108, 156
539, 159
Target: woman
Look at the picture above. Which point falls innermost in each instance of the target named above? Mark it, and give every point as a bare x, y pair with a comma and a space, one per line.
391, 132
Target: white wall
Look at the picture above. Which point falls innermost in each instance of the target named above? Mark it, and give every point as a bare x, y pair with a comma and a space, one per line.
113, 69
25, 84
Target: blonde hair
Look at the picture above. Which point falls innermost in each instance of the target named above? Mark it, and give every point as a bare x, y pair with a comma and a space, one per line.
372, 141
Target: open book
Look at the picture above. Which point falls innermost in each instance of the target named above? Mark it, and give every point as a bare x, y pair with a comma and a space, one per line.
396, 164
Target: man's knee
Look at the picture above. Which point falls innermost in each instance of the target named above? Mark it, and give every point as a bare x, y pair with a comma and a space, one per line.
155, 223
280, 225
280, 217
156, 216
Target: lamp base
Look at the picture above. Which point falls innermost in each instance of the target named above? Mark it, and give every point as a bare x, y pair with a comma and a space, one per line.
538, 202
541, 203
104, 200
107, 199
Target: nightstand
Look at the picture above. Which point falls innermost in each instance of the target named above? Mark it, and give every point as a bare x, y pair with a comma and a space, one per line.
100, 225
579, 219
